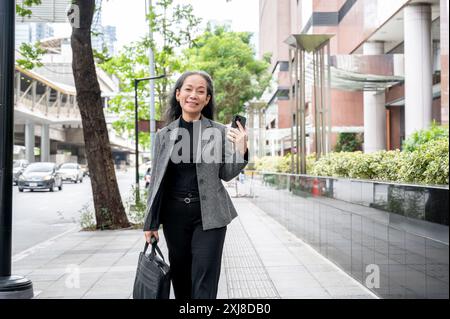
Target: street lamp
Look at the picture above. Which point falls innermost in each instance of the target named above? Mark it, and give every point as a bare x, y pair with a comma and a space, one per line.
136, 128
11, 287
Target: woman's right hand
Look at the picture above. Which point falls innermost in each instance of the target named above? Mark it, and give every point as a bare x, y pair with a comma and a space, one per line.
149, 234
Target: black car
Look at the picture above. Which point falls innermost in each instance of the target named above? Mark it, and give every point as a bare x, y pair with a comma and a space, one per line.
40, 176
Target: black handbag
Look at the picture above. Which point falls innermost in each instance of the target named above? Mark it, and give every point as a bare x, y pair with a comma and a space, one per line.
152, 276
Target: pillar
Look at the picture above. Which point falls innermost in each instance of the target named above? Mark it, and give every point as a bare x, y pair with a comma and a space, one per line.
29, 142
374, 109
261, 135
45, 143
418, 67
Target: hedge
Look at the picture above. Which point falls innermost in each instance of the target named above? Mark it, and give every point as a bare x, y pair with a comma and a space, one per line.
427, 163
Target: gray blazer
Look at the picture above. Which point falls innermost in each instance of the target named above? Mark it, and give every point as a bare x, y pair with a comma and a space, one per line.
216, 207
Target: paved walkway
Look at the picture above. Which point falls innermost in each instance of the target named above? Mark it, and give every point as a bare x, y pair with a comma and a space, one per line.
261, 260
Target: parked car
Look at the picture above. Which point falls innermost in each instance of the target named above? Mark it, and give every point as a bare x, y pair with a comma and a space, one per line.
41, 175
71, 172
18, 168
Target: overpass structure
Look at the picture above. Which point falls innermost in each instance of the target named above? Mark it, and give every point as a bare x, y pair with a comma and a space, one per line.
47, 119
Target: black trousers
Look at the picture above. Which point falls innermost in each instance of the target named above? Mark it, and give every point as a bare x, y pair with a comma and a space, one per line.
195, 255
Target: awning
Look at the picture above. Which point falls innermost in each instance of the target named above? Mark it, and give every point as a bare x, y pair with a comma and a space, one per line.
352, 81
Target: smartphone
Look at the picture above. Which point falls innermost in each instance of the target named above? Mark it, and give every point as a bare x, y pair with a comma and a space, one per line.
239, 118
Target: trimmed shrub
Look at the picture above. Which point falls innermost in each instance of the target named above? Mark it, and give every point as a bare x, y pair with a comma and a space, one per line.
418, 138
281, 164
385, 165
428, 164
267, 163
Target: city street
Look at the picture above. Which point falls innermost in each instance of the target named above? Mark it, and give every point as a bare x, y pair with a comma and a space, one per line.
41, 215
339, 107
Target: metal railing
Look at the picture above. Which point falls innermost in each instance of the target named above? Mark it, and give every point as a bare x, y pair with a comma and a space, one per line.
54, 105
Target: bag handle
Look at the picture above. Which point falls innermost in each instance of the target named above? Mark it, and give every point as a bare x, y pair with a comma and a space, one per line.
154, 247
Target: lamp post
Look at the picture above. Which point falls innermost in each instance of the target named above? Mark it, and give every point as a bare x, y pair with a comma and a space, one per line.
11, 287
136, 127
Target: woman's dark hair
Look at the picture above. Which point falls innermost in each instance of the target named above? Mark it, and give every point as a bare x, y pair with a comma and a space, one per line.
174, 109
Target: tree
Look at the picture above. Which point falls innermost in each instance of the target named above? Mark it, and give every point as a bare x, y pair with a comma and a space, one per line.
109, 210
176, 26
348, 142
31, 54
23, 10
230, 60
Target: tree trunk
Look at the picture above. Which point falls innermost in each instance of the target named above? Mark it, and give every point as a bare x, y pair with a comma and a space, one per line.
109, 210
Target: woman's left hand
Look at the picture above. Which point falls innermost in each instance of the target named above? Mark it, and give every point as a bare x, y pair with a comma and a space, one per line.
239, 137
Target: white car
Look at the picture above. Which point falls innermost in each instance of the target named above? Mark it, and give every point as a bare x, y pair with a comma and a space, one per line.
71, 172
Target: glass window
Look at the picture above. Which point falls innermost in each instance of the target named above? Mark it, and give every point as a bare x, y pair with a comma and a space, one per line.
40, 167
69, 166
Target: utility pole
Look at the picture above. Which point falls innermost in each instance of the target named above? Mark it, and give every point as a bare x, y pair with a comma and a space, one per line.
11, 287
136, 127
151, 60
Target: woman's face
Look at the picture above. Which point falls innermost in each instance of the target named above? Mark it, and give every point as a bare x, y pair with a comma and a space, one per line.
193, 95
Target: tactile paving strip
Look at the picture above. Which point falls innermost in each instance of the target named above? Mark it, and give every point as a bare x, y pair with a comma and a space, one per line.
245, 273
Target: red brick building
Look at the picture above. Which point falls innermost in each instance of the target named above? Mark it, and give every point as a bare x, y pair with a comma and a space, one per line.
405, 38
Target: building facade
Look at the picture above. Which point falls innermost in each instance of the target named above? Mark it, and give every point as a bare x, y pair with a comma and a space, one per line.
374, 41
31, 32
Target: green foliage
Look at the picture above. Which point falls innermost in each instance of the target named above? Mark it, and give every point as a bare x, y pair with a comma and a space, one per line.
31, 56
428, 164
385, 165
281, 164
230, 60
24, 10
267, 163
87, 218
175, 25
348, 142
137, 205
284, 165
421, 137
102, 56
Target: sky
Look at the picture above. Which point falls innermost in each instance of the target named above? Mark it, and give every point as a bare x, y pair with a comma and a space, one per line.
129, 16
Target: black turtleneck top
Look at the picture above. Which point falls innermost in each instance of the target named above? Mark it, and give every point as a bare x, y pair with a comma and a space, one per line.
182, 176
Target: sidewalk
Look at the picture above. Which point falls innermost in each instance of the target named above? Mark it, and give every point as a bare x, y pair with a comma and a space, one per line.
261, 260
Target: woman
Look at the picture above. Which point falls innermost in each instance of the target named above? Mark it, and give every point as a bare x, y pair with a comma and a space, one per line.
192, 154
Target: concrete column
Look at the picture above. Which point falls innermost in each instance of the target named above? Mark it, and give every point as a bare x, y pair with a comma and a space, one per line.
45, 143
261, 137
374, 109
418, 67
29, 142
272, 146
